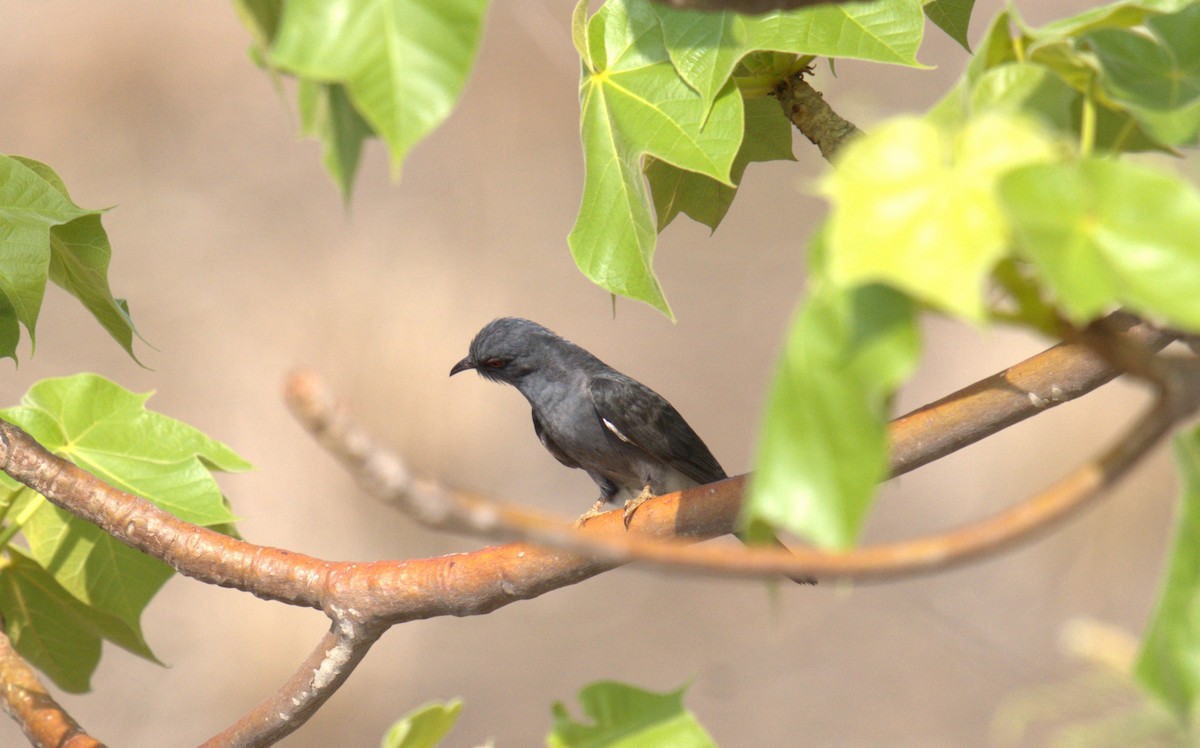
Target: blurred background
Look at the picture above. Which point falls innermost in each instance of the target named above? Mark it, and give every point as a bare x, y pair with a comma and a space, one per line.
240, 263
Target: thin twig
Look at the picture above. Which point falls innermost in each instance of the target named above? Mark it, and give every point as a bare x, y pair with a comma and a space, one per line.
26, 700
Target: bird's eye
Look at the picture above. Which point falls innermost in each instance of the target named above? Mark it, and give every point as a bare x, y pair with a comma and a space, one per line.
494, 363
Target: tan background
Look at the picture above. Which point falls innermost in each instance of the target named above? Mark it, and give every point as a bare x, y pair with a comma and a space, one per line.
239, 263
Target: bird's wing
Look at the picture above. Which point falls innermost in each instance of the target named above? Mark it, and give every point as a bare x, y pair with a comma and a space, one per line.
638, 415
549, 444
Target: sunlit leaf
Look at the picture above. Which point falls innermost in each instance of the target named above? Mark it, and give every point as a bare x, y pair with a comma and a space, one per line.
1156, 74
623, 716
1104, 233
768, 138
45, 236
423, 727
403, 62
915, 206
823, 446
107, 431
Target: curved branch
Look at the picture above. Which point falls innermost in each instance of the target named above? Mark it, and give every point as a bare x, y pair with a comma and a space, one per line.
1052, 377
26, 700
710, 510
318, 677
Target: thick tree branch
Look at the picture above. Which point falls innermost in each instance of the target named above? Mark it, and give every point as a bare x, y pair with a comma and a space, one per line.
26, 700
1050, 378
711, 510
363, 599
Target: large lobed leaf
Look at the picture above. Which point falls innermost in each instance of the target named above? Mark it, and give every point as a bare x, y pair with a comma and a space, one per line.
656, 82
402, 63
768, 137
45, 236
914, 206
1155, 73
1104, 233
107, 431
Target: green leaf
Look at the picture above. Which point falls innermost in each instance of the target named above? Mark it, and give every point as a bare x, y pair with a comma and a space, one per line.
1104, 233
29, 207
45, 236
953, 17
112, 579
107, 431
47, 626
823, 446
1035, 90
624, 716
327, 114
579, 29
914, 206
1169, 663
656, 82
633, 104
705, 47
1156, 75
1125, 14
423, 727
261, 17
768, 138
403, 62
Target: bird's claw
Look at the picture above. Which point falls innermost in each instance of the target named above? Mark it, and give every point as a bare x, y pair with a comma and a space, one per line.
596, 510
632, 504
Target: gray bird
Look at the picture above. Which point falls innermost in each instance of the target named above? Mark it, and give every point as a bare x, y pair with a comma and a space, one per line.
626, 436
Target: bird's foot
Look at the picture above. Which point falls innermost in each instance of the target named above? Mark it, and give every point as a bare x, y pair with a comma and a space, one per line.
597, 509
632, 505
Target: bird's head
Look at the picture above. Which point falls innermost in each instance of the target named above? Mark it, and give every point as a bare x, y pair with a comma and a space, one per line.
508, 350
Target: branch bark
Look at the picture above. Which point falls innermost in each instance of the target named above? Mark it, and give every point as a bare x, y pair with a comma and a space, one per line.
806, 107
26, 700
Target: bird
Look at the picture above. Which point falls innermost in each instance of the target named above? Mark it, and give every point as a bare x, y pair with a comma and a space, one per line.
632, 442
589, 416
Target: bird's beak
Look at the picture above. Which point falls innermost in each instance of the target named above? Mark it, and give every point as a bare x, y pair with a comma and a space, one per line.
463, 365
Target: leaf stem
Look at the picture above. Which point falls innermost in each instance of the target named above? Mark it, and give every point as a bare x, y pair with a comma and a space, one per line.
1087, 125
11, 529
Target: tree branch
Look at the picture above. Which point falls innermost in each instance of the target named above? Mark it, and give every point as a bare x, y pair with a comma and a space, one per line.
812, 115
362, 599
26, 700
713, 509
1053, 377
321, 674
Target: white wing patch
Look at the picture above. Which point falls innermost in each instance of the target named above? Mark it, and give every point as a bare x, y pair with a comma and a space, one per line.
616, 431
